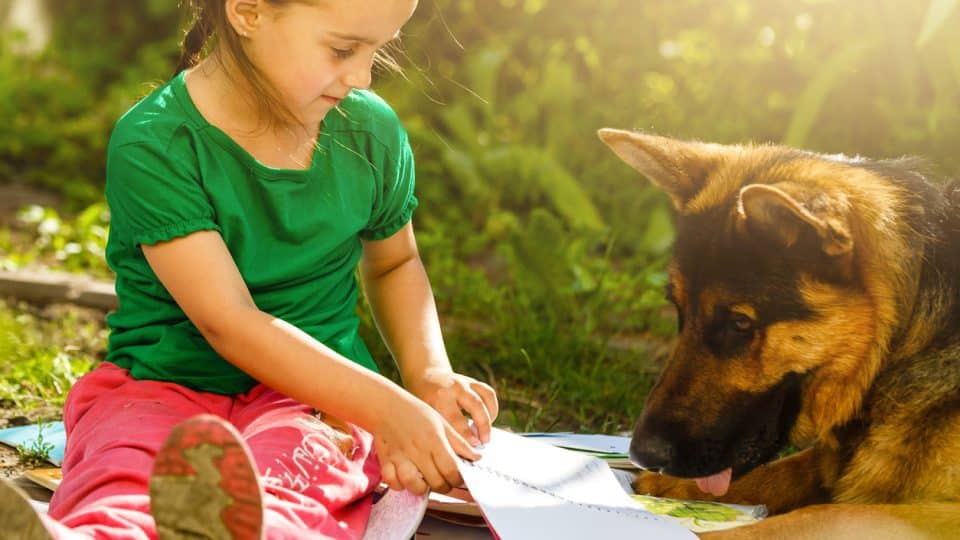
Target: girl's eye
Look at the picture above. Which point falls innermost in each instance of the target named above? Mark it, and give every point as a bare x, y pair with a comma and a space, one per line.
342, 53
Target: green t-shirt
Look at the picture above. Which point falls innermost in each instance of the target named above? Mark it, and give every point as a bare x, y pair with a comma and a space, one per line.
294, 234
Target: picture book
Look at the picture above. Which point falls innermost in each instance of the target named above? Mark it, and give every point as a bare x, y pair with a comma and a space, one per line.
525, 487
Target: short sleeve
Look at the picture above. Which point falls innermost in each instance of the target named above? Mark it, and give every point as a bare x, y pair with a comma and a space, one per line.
396, 201
155, 194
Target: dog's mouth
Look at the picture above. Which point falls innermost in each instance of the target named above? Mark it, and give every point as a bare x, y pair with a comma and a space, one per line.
755, 427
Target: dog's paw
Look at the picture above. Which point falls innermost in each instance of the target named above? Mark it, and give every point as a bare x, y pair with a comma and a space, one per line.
660, 485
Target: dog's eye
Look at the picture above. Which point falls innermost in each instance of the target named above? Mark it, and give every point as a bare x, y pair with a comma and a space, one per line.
740, 322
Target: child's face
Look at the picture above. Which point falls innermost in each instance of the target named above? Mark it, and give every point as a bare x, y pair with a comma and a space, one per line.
315, 54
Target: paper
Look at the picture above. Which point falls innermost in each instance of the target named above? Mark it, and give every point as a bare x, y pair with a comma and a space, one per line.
614, 450
527, 488
602, 444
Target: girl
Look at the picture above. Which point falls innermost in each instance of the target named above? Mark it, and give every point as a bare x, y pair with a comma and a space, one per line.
243, 193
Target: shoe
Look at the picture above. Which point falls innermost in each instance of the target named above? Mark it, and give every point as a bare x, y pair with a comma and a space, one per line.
204, 484
17, 516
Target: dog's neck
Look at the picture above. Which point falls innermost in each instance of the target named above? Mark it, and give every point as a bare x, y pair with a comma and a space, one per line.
909, 262
934, 289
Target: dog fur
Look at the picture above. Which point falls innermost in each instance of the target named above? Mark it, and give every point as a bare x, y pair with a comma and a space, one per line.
818, 301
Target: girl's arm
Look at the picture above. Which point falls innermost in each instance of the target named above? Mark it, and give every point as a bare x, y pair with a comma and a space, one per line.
403, 307
202, 277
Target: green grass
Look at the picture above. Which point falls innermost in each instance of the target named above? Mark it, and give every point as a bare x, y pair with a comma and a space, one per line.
38, 452
44, 352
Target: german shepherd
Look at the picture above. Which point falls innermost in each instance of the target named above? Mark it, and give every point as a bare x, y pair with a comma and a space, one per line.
818, 304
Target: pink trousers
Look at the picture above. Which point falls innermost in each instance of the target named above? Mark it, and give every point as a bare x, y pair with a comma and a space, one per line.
116, 424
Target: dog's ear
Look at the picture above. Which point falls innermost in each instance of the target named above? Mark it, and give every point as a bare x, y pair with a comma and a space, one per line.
679, 167
771, 211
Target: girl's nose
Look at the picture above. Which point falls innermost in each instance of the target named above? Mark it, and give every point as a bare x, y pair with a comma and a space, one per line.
359, 76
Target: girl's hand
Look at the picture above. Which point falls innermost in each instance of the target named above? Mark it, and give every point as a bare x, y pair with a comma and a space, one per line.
452, 394
417, 448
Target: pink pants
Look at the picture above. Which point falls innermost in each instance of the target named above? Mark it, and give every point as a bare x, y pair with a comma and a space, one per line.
116, 424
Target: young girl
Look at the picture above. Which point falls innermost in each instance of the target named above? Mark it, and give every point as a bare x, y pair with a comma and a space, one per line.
243, 194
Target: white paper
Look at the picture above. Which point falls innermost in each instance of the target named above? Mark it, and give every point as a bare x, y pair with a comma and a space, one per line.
529, 489
591, 442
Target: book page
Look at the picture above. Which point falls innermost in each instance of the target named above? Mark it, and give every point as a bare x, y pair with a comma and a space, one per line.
527, 489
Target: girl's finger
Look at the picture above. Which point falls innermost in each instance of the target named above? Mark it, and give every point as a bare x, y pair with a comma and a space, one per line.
410, 478
489, 397
446, 464
434, 477
477, 410
460, 446
462, 426
388, 475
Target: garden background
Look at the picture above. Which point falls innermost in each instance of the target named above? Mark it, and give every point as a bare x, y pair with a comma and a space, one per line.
546, 252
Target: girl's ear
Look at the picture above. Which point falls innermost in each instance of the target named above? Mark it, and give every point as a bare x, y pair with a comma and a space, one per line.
244, 15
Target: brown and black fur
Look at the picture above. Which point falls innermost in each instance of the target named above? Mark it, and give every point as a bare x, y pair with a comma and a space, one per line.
818, 300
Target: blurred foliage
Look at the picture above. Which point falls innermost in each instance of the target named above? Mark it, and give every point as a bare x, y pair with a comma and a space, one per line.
60, 105
545, 251
40, 236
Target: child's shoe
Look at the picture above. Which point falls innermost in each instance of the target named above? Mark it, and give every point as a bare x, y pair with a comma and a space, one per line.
204, 484
17, 516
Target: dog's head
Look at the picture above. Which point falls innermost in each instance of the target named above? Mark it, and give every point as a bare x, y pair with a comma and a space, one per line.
783, 298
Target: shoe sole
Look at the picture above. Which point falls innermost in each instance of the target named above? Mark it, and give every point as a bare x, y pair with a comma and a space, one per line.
204, 484
17, 516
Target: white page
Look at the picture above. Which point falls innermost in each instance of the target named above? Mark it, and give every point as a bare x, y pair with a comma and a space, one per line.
607, 444
529, 489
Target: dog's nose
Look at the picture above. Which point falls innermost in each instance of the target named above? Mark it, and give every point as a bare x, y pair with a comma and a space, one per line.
651, 452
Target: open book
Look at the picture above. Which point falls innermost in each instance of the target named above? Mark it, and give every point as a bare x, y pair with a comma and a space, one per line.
526, 489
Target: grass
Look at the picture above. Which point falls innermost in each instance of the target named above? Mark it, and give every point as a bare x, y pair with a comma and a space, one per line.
37, 453
45, 351
592, 388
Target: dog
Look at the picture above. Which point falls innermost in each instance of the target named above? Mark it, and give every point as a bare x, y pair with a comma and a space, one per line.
818, 307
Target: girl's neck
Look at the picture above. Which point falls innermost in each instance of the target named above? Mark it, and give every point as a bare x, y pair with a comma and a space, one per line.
226, 101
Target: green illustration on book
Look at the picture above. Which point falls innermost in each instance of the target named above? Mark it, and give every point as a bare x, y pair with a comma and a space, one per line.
701, 516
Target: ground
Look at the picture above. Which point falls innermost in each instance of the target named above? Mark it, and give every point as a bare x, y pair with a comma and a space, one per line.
13, 198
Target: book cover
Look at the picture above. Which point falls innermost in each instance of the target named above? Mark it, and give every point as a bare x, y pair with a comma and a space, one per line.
49, 478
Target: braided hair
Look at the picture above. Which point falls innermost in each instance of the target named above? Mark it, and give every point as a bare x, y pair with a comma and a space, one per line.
194, 40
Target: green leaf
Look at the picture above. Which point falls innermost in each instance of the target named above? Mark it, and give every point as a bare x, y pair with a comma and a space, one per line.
816, 93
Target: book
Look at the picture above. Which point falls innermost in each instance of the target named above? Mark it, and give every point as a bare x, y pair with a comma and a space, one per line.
432, 528
702, 516
614, 450
49, 478
458, 502
52, 435
458, 508
525, 487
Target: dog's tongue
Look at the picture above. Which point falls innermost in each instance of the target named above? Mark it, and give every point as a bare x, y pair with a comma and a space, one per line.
717, 484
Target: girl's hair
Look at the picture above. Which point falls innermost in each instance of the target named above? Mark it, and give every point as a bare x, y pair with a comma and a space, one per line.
211, 29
